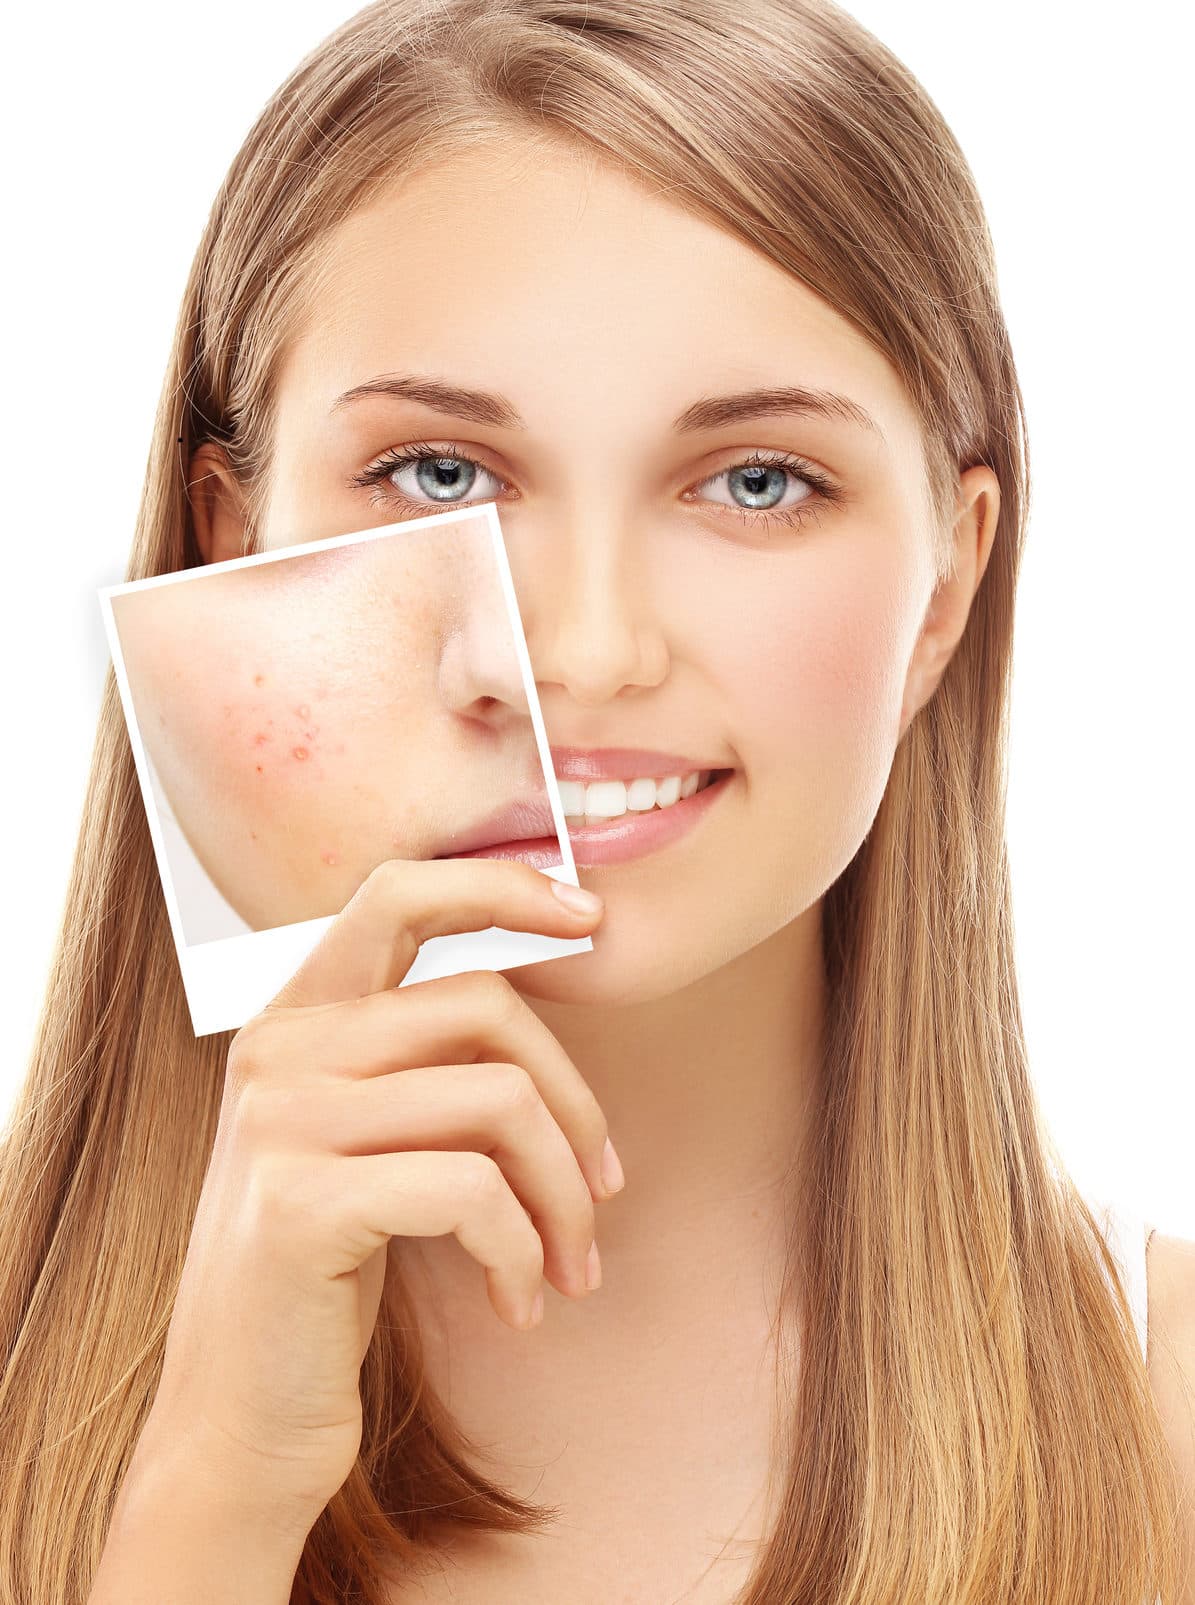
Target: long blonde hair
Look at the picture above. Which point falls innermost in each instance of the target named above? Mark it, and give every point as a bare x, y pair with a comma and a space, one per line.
973, 1420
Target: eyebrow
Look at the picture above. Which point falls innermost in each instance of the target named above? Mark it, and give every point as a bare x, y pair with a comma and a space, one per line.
711, 412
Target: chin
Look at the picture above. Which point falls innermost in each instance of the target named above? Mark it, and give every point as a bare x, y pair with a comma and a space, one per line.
623, 968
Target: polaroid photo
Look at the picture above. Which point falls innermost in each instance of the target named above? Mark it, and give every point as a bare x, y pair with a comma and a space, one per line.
300, 715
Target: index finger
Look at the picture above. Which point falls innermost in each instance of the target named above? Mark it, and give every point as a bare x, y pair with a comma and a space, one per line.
374, 940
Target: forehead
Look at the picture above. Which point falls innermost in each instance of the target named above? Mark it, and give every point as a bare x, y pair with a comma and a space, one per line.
572, 287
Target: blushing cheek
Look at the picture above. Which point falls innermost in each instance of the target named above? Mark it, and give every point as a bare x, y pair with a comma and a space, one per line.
826, 680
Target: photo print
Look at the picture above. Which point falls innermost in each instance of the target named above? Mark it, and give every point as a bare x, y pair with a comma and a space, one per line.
301, 715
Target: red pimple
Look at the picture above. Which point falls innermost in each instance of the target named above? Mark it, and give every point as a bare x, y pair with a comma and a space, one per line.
259, 679
299, 752
261, 738
330, 858
303, 711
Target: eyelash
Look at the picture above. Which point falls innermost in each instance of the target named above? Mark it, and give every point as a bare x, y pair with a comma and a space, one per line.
825, 492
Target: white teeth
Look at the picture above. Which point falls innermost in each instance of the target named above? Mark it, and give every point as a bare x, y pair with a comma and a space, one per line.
607, 799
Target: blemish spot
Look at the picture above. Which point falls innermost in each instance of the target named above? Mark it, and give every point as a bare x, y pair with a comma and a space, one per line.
259, 769
300, 753
330, 858
303, 711
321, 693
311, 734
261, 738
259, 679
340, 747
253, 835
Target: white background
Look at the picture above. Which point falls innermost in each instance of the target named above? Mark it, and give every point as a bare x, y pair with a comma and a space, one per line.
118, 128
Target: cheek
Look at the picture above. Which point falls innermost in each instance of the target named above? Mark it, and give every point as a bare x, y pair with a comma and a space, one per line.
820, 686
244, 711
297, 732
272, 740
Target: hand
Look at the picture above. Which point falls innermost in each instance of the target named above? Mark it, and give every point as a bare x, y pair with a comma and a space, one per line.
354, 1111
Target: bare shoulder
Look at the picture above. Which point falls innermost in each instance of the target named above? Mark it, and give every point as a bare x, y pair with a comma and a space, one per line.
1172, 1368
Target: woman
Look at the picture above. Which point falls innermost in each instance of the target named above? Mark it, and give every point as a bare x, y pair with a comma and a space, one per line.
703, 299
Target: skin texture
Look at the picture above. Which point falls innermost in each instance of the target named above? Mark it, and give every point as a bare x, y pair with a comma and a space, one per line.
655, 616
316, 715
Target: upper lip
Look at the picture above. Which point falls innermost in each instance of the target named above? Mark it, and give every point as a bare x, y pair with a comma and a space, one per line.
623, 763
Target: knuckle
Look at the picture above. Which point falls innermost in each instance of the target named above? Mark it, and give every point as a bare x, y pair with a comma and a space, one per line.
252, 1113
386, 878
513, 1091
248, 1052
389, 885
480, 1179
496, 1000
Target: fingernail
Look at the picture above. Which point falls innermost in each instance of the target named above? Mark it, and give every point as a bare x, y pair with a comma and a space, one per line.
612, 1176
576, 898
593, 1268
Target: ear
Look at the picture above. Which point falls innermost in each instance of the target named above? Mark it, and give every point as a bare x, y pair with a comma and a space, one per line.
978, 507
217, 505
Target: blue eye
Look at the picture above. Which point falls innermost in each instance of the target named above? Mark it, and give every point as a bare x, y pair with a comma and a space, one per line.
763, 475
445, 475
442, 474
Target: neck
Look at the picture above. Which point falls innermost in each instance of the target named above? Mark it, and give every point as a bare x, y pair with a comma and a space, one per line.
707, 1094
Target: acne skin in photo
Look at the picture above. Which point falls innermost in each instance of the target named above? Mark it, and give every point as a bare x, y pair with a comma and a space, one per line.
312, 715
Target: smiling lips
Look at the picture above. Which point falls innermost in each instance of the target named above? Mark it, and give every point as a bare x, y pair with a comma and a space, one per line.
620, 801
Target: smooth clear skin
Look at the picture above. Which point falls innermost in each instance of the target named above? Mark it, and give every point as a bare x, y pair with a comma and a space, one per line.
657, 614
314, 716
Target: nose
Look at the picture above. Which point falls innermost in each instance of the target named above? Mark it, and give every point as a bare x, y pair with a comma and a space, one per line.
479, 673
587, 610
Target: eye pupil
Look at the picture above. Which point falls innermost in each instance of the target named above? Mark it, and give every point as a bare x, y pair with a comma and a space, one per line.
437, 474
754, 478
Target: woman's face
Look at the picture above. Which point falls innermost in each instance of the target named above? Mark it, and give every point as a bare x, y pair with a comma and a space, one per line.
739, 582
